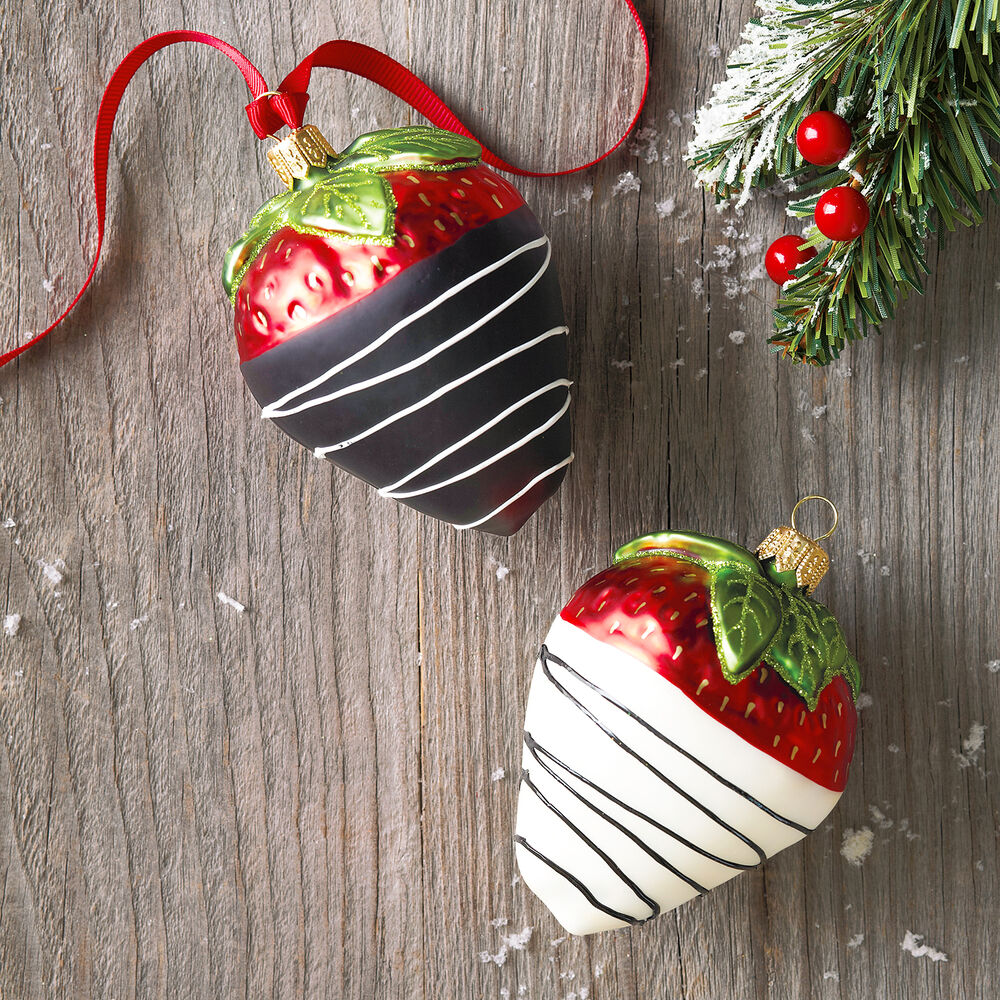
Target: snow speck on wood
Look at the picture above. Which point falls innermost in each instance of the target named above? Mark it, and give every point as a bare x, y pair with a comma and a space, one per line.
626, 183
857, 845
972, 745
665, 208
914, 944
52, 571
230, 602
517, 941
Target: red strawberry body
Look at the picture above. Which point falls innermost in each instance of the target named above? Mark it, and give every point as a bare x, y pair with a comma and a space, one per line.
301, 278
656, 608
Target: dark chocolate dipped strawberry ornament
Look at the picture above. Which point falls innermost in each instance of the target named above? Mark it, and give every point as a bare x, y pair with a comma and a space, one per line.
397, 312
692, 714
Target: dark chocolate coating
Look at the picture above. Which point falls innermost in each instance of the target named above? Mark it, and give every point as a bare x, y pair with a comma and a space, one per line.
387, 456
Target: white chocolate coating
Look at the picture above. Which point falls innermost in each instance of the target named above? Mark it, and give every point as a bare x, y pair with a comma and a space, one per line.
750, 801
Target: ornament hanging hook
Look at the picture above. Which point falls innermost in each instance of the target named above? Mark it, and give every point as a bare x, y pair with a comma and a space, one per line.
830, 504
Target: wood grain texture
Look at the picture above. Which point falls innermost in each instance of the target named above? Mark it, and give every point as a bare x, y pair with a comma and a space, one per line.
298, 801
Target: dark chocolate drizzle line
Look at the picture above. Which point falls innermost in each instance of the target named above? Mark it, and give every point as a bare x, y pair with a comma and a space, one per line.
674, 746
603, 855
537, 751
577, 884
545, 656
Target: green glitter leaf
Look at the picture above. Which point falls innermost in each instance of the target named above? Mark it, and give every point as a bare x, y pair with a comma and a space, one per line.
701, 549
746, 614
810, 650
352, 202
416, 147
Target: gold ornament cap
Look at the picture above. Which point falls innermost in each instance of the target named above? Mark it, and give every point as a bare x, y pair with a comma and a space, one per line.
792, 550
301, 149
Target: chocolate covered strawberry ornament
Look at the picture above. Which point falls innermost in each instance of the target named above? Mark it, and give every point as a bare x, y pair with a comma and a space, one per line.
691, 714
397, 312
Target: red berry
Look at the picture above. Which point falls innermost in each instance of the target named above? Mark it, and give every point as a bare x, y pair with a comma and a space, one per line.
842, 214
823, 138
784, 255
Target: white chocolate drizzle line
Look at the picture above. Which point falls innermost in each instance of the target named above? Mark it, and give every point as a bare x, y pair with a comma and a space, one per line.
531, 435
278, 407
388, 491
520, 493
558, 331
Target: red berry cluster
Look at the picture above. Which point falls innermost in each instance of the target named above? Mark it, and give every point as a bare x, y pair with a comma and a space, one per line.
842, 213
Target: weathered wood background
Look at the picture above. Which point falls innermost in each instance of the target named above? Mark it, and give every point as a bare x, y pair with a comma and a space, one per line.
298, 801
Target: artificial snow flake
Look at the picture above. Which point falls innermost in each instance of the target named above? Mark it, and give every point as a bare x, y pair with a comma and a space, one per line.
879, 818
643, 145
53, 571
626, 183
666, 207
498, 774
517, 941
914, 944
857, 845
502, 572
230, 602
972, 745
11, 625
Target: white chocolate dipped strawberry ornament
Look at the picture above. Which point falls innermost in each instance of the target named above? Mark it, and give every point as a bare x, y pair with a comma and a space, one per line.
691, 714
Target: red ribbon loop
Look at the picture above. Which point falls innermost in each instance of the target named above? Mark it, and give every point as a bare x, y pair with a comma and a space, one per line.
273, 111
102, 138
362, 60
269, 111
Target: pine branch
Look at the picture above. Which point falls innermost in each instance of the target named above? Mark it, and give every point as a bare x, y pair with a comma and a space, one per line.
918, 82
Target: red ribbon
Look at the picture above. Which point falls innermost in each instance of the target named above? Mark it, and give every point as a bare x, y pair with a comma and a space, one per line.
269, 111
